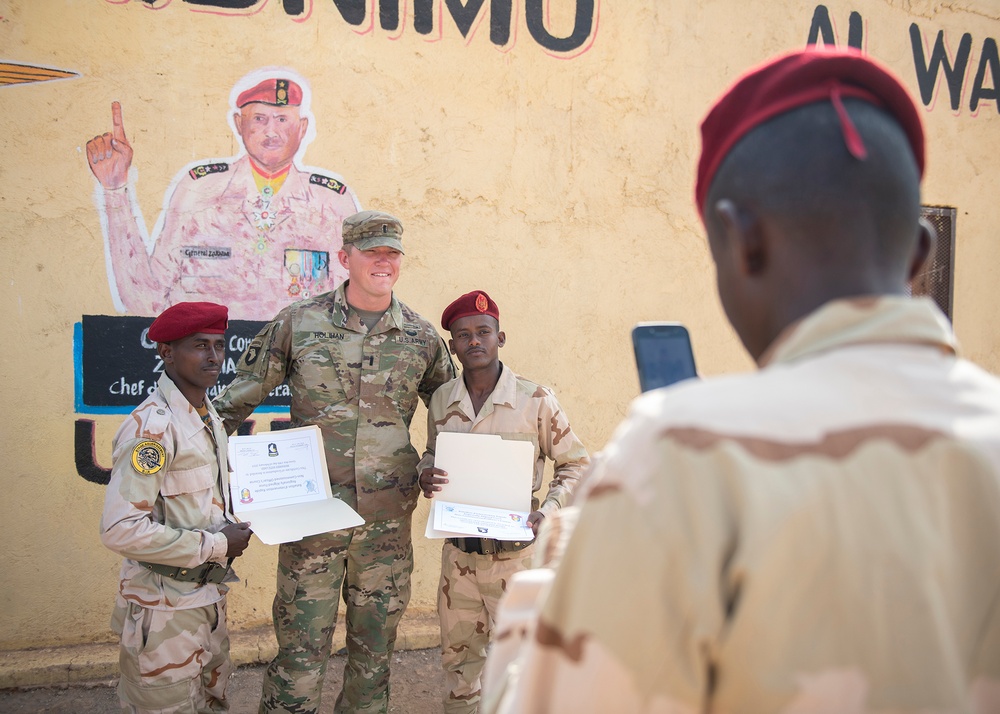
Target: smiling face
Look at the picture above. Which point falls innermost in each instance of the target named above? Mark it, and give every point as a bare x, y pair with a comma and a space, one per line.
372, 275
194, 363
476, 341
271, 134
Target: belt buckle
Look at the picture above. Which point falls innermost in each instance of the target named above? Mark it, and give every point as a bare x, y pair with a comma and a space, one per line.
205, 577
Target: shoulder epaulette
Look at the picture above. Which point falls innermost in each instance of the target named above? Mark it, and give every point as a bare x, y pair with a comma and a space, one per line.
205, 169
156, 418
327, 182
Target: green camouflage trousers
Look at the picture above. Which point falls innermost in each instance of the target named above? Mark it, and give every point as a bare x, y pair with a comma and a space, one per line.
370, 565
173, 661
471, 586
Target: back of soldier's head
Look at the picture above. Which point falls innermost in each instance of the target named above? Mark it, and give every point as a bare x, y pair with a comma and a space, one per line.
825, 145
796, 171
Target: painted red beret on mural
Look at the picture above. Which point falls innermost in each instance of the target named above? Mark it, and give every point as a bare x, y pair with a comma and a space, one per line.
279, 92
189, 318
475, 303
794, 80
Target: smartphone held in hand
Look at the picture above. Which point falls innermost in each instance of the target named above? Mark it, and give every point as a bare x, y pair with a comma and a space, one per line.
662, 353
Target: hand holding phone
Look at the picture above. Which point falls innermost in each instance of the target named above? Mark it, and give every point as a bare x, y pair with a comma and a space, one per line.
662, 353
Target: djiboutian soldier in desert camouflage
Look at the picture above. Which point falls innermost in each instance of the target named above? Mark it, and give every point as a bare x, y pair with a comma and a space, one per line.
356, 360
489, 398
822, 535
167, 511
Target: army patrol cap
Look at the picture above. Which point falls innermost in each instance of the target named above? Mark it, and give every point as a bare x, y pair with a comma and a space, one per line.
372, 229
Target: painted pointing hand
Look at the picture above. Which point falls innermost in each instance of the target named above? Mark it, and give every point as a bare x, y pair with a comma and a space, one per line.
110, 155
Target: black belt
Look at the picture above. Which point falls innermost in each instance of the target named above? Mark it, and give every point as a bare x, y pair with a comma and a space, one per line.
488, 546
204, 573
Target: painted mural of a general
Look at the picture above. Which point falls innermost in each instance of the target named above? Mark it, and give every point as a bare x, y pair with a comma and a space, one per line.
254, 232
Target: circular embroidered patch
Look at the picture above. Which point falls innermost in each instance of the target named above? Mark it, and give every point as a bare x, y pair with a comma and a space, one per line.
148, 457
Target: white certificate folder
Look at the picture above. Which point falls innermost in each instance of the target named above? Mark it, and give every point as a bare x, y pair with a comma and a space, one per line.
484, 470
280, 484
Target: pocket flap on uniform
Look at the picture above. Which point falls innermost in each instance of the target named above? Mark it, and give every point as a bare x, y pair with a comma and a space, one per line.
200, 478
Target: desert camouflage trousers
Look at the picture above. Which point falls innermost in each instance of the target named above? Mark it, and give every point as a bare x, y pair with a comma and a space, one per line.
173, 661
471, 586
370, 566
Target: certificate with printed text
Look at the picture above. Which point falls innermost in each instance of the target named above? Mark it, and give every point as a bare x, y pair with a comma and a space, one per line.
279, 483
481, 521
489, 487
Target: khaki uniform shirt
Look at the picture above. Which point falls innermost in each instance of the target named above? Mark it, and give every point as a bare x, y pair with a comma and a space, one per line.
820, 536
517, 409
361, 388
172, 513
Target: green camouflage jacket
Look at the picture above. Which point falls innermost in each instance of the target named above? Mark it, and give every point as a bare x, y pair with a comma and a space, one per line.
359, 387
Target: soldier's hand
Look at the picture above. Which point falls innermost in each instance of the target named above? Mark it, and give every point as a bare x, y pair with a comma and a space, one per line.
430, 480
110, 155
535, 519
238, 537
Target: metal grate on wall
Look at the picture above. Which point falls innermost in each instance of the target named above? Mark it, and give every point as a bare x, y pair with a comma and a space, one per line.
936, 279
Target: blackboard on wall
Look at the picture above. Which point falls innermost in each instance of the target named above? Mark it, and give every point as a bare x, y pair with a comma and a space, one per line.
117, 366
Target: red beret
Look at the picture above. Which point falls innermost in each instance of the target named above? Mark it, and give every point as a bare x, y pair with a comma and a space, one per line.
279, 92
475, 303
796, 79
188, 318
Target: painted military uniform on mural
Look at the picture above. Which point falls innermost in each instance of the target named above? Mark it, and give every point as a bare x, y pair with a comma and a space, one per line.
225, 239
255, 232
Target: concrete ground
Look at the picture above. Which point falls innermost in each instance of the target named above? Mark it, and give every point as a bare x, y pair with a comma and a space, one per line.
416, 684
80, 679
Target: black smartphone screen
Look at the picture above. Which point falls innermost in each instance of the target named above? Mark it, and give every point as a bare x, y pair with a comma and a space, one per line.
662, 353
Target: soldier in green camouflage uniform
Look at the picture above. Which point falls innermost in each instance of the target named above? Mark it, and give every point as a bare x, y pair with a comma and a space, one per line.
356, 361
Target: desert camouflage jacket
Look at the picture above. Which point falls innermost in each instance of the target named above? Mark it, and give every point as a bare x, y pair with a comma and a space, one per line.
517, 409
165, 501
361, 388
822, 535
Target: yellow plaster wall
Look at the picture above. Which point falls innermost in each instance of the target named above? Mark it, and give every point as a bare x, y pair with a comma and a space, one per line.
562, 186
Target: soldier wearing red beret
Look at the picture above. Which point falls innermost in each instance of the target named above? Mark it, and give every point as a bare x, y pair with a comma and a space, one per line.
821, 535
489, 398
256, 231
167, 512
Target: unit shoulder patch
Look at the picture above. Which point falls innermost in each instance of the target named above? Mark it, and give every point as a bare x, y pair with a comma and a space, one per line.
205, 169
327, 182
148, 457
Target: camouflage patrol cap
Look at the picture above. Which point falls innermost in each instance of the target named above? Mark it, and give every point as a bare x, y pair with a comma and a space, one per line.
371, 229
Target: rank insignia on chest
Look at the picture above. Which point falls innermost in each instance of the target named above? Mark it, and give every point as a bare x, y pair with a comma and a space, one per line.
148, 457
